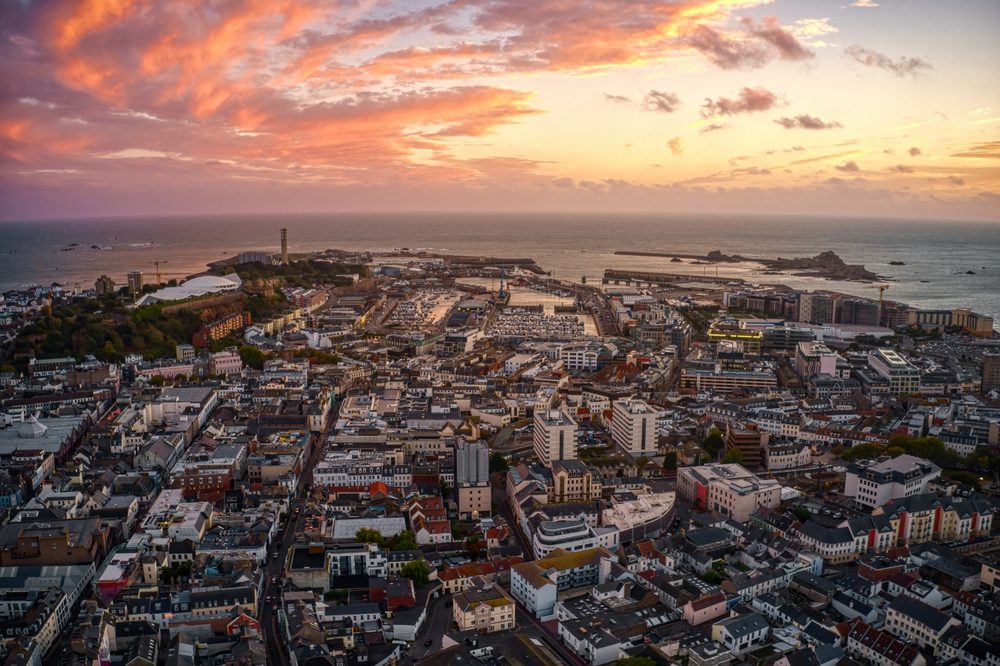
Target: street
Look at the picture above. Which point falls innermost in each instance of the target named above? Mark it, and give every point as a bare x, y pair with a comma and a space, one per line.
437, 624
277, 651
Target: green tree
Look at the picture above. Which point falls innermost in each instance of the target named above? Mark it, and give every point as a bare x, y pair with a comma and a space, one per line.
670, 460
252, 357
403, 541
895, 451
863, 451
964, 477
366, 535
802, 513
732, 456
418, 571
445, 489
713, 442
498, 464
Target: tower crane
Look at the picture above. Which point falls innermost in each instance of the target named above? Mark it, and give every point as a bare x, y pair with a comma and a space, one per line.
158, 264
881, 290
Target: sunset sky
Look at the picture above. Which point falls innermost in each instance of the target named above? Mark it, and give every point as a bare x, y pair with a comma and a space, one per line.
870, 107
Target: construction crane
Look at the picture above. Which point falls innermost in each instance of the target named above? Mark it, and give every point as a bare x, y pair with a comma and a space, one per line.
158, 264
881, 290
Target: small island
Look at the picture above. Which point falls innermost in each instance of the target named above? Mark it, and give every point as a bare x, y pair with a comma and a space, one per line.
896, 262
824, 265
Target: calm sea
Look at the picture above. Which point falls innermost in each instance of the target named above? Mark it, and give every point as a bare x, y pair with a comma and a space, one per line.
937, 255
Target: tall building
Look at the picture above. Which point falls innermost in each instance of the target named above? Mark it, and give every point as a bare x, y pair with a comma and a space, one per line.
903, 376
633, 426
859, 311
991, 372
472, 480
817, 308
472, 463
555, 436
104, 285
815, 358
136, 281
750, 443
284, 246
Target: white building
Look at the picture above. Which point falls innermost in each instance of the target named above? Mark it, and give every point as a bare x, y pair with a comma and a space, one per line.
633, 426
873, 483
555, 436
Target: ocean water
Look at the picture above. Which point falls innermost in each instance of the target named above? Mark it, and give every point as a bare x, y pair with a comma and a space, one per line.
936, 254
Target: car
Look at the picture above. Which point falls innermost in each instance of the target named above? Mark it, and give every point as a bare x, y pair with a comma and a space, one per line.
429, 642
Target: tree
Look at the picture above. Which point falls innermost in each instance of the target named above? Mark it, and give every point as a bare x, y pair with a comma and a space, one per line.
713, 442
418, 571
367, 535
670, 460
964, 477
252, 357
403, 541
474, 546
802, 513
863, 451
895, 451
445, 489
733, 456
498, 464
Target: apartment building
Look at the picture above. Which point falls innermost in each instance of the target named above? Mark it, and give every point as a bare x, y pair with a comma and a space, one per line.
917, 622
633, 426
555, 436
741, 633
484, 608
931, 517
881, 648
536, 584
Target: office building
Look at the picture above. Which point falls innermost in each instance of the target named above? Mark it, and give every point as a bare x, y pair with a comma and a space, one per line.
971, 322
729, 489
815, 358
284, 246
873, 483
555, 436
633, 426
903, 376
